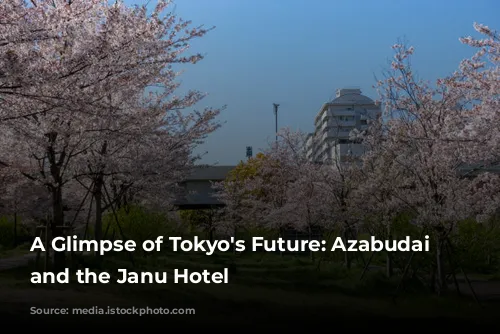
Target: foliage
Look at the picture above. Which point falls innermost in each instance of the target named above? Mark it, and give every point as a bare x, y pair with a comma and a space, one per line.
119, 131
7, 231
476, 246
120, 135
136, 223
205, 219
247, 169
411, 181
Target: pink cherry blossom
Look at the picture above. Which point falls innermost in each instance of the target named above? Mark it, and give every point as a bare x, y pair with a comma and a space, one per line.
88, 106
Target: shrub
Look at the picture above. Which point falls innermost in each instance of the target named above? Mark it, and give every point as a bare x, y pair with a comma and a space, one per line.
137, 224
476, 245
7, 232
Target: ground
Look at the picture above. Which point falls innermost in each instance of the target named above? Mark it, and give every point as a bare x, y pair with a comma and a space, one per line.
263, 288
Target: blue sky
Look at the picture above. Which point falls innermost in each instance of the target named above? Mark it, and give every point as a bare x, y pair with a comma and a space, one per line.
298, 52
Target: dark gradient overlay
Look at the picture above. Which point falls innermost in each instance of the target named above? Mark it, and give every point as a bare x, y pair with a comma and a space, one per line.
281, 291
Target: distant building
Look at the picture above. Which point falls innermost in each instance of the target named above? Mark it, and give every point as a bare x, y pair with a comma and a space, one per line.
197, 191
334, 122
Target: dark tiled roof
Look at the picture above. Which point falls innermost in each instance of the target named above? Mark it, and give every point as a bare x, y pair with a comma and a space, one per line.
212, 173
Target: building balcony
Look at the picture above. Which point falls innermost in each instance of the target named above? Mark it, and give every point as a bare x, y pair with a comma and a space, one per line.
341, 150
338, 126
324, 115
336, 133
351, 123
343, 112
323, 127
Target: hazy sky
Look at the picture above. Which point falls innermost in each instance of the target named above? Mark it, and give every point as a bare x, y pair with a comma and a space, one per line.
298, 52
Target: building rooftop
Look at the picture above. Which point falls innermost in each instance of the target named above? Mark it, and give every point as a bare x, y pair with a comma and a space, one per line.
212, 173
351, 96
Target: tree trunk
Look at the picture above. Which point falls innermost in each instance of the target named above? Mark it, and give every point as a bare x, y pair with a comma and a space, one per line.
309, 220
15, 229
210, 233
281, 236
389, 264
56, 160
347, 257
432, 282
98, 209
234, 244
311, 253
441, 271
98, 187
56, 227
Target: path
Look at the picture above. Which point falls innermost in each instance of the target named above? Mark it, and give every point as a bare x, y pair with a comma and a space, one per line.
21, 261
16, 261
485, 290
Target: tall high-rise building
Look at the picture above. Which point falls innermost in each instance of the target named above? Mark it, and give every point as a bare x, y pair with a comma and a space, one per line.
334, 122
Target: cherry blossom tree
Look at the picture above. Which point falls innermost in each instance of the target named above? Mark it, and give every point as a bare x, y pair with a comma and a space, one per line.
338, 182
72, 87
144, 159
476, 81
373, 201
268, 198
56, 55
24, 202
276, 191
428, 135
305, 205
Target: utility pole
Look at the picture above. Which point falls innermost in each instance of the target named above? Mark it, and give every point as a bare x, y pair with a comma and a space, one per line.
276, 105
249, 152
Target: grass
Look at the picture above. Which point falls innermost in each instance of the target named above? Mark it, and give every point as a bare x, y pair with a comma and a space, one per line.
20, 250
260, 287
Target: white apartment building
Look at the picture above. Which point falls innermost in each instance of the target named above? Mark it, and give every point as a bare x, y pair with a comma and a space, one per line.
334, 122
